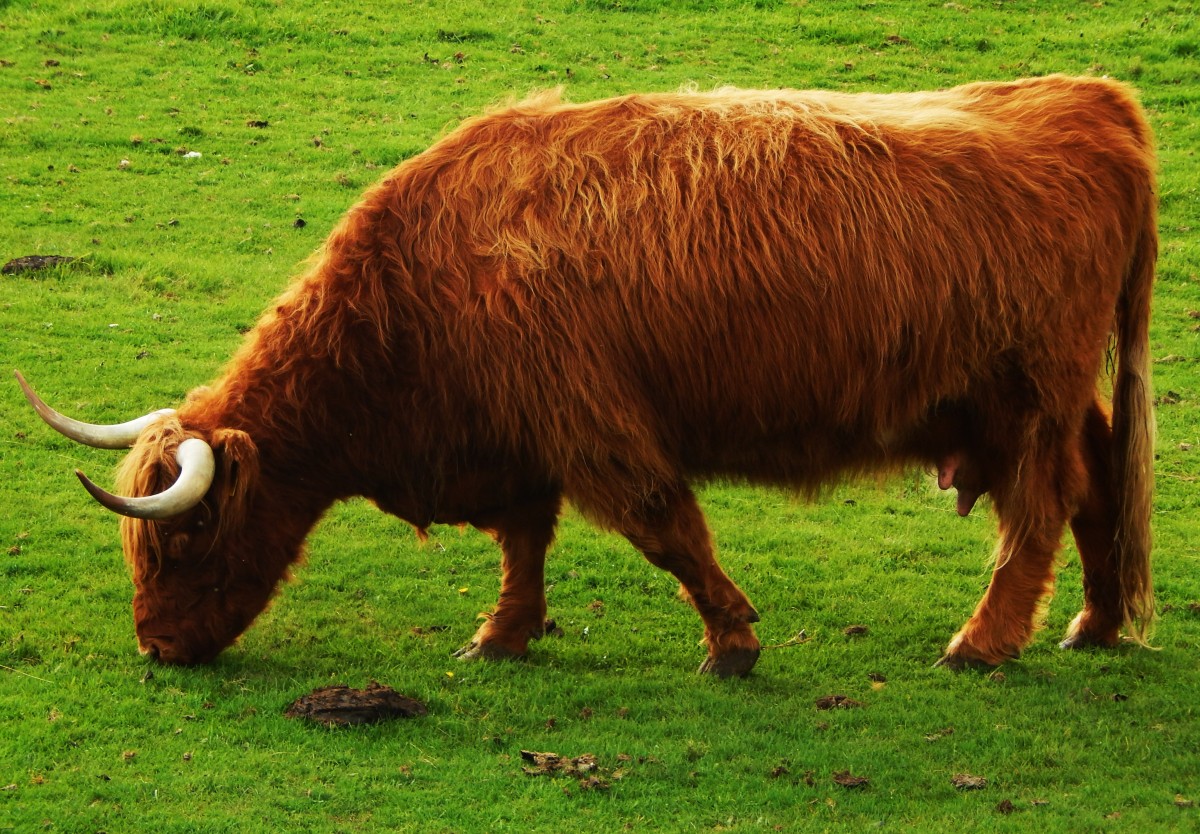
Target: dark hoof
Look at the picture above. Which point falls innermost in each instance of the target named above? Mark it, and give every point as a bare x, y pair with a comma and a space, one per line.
958, 663
485, 651
1084, 634
1082, 641
733, 663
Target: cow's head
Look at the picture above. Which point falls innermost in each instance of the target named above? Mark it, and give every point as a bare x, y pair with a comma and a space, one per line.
199, 580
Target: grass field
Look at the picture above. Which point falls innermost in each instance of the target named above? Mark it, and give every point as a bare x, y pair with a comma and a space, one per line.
294, 109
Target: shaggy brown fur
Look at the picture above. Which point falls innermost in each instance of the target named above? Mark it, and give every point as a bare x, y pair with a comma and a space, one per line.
611, 301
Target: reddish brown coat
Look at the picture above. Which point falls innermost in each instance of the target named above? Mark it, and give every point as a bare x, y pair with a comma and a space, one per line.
612, 301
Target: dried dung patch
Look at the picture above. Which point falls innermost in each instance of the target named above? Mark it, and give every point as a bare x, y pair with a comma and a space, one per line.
32, 263
967, 782
583, 768
552, 764
940, 734
848, 780
341, 706
837, 702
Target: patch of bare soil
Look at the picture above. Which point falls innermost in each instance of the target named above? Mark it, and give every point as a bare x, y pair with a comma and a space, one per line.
341, 706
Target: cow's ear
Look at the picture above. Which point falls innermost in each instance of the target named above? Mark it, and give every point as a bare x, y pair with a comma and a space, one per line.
237, 474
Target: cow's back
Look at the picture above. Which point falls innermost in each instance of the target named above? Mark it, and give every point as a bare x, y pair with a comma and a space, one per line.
706, 279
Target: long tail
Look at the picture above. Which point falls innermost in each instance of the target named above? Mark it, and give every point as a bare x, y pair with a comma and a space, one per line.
1133, 434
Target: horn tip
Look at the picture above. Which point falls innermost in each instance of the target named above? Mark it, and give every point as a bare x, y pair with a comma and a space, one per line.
109, 502
87, 483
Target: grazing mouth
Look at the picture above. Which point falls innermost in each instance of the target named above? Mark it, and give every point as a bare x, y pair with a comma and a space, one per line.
159, 649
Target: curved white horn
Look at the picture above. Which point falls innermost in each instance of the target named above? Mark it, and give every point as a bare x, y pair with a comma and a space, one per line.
196, 468
120, 436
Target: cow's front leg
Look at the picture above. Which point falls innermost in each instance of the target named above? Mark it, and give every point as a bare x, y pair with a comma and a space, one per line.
670, 531
524, 534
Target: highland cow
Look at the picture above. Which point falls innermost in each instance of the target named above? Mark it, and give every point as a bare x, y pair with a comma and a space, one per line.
610, 302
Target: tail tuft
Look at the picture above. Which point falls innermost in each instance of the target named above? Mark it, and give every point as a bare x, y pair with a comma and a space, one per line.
1133, 436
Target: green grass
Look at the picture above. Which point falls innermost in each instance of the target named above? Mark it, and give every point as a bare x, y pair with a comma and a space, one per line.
182, 254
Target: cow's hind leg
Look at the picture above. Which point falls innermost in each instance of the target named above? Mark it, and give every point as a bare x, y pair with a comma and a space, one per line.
1094, 526
1033, 504
524, 534
671, 532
